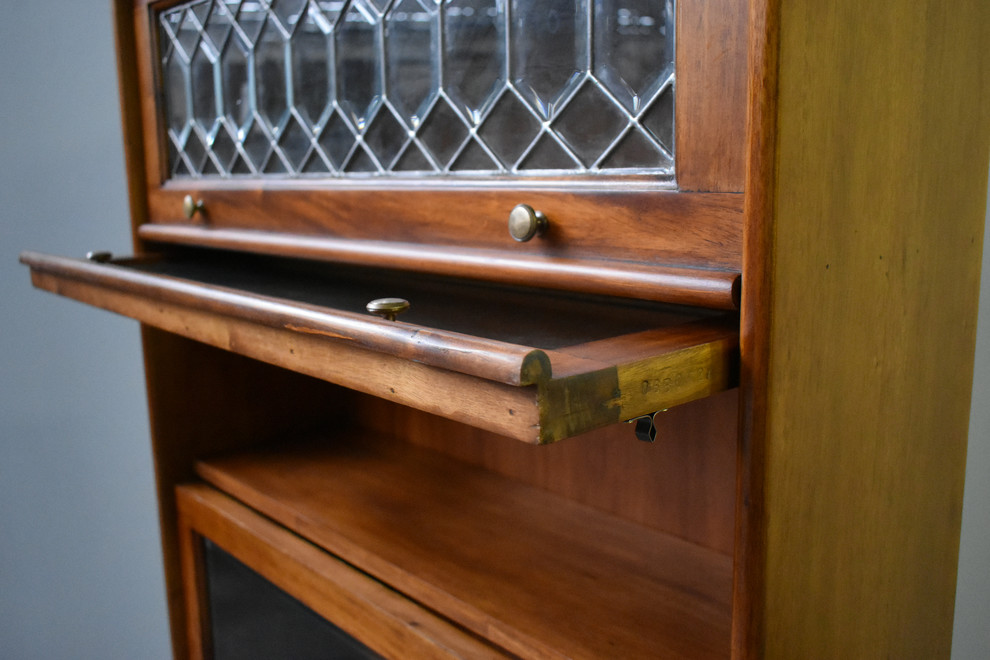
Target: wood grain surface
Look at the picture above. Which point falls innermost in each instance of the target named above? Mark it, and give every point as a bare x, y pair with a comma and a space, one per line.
533, 572
718, 289
711, 105
683, 484
625, 223
754, 327
369, 611
201, 401
864, 319
509, 388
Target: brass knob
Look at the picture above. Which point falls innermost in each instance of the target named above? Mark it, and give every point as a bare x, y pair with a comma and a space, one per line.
525, 223
191, 206
387, 308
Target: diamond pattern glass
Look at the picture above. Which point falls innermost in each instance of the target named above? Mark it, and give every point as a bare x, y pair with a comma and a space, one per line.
358, 49
236, 83
549, 50
311, 59
630, 40
412, 28
589, 123
398, 88
509, 128
269, 67
204, 79
474, 54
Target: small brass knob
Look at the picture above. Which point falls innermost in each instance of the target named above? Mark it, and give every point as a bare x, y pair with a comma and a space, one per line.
525, 223
191, 206
387, 308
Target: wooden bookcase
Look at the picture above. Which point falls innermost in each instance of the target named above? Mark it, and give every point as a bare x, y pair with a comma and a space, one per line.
801, 307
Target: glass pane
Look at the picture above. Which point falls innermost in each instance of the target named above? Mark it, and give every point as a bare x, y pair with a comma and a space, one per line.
510, 128
358, 49
633, 56
590, 123
295, 143
236, 84
442, 87
443, 133
412, 31
386, 137
269, 67
252, 618
289, 12
311, 58
634, 151
336, 141
659, 118
175, 94
474, 53
203, 79
549, 50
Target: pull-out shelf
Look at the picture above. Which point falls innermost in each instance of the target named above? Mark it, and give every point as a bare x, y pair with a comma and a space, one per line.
527, 363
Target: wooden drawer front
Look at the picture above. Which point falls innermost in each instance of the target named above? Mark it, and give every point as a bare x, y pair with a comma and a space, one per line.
370, 612
535, 366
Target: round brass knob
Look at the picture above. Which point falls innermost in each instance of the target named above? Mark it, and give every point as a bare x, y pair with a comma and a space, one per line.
191, 206
387, 308
525, 223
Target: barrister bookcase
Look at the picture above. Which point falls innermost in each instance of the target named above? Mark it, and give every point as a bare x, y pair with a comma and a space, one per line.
686, 363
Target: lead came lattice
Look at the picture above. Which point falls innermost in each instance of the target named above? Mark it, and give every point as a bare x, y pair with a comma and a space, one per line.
411, 87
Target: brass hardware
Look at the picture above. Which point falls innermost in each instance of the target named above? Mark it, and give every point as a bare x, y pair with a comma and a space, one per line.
100, 257
387, 308
525, 223
190, 206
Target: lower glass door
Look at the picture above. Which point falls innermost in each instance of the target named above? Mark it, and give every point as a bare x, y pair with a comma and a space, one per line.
252, 618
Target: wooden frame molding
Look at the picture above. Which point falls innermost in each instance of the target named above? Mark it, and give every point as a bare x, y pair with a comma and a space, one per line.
370, 611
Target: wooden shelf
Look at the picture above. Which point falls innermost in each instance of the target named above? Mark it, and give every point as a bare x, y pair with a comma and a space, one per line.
538, 574
531, 364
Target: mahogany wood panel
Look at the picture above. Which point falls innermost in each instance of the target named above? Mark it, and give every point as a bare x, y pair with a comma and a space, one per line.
711, 96
873, 169
716, 289
536, 573
625, 223
683, 484
203, 400
369, 611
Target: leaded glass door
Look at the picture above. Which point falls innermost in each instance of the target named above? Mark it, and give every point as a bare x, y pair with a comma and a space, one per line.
418, 87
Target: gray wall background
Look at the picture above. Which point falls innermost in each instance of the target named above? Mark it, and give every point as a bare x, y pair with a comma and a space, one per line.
80, 569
